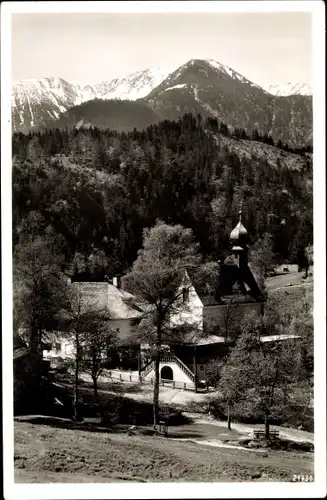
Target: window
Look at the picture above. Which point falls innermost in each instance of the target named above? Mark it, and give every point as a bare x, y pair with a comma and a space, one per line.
58, 347
186, 294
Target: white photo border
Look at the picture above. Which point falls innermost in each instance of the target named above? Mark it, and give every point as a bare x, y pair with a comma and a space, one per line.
168, 490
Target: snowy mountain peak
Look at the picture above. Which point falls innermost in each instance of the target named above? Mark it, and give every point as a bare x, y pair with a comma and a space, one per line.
290, 88
134, 86
219, 68
36, 101
230, 72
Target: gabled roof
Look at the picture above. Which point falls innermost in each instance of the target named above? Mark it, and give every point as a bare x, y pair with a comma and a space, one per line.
234, 283
105, 296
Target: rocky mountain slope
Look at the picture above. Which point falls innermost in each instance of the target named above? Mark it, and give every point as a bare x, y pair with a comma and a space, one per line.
290, 88
38, 103
212, 89
199, 86
133, 86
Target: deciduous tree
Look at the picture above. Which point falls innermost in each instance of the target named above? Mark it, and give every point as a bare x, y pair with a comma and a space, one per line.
262, 255
83, 317
258, 374
155, 280
95, 343
38, 289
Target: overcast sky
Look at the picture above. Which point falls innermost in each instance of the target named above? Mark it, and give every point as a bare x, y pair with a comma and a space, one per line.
88, 48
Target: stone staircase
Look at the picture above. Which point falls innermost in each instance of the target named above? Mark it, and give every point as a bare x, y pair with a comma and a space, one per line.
168, 358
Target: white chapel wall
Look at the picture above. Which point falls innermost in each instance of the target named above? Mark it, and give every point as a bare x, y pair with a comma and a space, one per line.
178, 374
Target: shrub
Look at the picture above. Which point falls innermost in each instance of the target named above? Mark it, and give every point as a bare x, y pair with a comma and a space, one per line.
55, 400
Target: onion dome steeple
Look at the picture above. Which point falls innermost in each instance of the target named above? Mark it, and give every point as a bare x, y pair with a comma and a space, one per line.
239, 235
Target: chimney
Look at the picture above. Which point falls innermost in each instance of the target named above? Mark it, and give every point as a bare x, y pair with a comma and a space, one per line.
116, 281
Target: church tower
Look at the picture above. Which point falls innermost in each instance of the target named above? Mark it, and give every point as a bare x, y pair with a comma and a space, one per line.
239, 240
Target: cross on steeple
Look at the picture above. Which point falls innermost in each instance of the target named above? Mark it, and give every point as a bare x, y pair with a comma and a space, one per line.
240, 211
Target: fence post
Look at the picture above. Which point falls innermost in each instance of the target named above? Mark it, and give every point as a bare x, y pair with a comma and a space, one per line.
130, 377
120, 377
173, 384
184, 386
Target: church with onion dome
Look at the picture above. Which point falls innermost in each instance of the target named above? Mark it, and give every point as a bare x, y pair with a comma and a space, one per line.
214, 315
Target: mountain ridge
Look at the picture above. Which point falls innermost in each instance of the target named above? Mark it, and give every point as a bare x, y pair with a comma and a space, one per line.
212, 89
202, 86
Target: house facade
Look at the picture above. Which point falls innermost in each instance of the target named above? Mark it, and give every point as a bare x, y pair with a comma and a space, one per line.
102, 296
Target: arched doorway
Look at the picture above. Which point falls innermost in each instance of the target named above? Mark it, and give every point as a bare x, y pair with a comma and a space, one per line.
167, 373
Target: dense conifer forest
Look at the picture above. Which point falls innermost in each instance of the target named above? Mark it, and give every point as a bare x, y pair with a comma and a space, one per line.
94, 191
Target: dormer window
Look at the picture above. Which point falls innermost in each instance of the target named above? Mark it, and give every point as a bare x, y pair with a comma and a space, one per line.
186, 295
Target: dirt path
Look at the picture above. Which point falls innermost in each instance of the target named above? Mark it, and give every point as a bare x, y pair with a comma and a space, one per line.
184, 398
292, 434
216, 443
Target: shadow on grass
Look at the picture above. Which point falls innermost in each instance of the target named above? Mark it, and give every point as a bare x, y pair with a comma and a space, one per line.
64, 424
57, 401
186, 435
91, 427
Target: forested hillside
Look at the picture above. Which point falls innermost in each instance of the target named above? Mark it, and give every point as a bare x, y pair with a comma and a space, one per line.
122, 116
95, 190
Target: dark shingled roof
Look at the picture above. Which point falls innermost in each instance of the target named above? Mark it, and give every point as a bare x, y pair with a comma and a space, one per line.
234, 283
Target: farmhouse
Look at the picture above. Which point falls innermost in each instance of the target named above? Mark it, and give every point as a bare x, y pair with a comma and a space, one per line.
102, 296
215, 313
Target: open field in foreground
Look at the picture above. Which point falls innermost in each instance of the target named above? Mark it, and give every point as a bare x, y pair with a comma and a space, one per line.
49, 454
